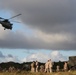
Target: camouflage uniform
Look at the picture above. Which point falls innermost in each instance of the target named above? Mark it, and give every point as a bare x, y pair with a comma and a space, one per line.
57, 68
47, 66
33, 66
65, 66
42, 68
50, 65
37, 66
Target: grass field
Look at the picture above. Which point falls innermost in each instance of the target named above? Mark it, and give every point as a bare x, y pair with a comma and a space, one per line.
30, 73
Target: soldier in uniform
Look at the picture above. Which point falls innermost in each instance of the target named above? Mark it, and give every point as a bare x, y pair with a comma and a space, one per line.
65, 66
57, 68
37, 66
42, 69
33, 66
50, 65
47, 66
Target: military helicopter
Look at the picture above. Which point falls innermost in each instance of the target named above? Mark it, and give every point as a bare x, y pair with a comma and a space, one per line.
6, 23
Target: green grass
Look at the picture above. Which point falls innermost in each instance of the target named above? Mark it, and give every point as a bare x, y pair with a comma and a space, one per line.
30, 73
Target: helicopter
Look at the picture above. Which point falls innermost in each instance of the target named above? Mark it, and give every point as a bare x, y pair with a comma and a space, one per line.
6, 23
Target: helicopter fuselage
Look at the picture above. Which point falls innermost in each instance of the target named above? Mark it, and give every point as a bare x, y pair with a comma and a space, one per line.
6, 25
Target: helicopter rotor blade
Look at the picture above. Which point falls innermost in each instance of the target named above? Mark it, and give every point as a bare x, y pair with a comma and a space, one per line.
15, 16
15, 21
1, 18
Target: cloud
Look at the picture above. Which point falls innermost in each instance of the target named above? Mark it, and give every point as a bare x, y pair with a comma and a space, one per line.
37, 40
1, 55
57, 56
42, 57
7, 58
54, 21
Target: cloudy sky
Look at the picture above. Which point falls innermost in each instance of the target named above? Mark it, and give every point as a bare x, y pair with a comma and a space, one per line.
47, 30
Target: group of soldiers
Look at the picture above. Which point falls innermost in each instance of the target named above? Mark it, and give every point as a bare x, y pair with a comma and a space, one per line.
10, 69
35, 66
65, 67
47, 67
